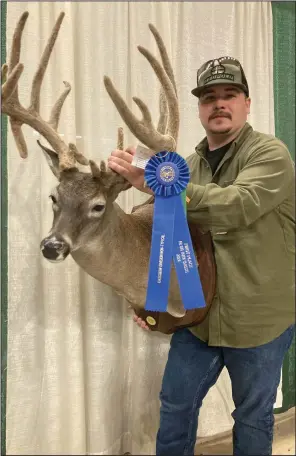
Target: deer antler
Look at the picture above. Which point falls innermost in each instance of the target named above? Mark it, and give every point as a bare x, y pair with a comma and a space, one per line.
19, 115
9, 85
163, 113
166, 135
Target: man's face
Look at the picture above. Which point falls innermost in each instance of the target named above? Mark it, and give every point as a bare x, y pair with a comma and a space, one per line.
223, 109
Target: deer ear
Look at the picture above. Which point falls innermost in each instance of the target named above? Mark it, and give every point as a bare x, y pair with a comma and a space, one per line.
119, 184
52, 159
114, 183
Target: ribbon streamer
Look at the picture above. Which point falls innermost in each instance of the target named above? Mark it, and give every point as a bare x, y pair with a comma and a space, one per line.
167, 174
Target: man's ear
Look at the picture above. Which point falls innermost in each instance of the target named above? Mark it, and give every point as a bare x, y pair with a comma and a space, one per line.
248, 105
52, 159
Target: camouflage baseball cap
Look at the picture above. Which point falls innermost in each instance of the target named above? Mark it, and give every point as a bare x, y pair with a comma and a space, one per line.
224, 70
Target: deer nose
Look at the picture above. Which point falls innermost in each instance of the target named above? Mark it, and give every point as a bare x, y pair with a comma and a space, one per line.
54, 249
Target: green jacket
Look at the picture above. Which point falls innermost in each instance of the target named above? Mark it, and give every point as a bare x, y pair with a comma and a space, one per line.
248, 205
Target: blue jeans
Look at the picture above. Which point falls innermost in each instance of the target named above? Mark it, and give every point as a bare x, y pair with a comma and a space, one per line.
193, 368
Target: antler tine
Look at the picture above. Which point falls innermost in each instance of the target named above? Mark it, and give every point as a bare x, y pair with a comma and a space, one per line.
16, 48
120, 138
56, 110
163, 113
10, 84
164, 56
16, 128
39, 75
4, 70
19, 115
173, 127
13, 73
78, 155
163, 107
144, 129
141, 129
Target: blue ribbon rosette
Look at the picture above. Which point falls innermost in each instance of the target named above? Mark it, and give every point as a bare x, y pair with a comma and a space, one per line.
167, 174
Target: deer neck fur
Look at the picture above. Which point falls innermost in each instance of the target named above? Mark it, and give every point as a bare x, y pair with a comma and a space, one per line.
118, 254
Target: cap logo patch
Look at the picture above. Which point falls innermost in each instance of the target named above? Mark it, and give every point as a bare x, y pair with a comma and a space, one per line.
218, 72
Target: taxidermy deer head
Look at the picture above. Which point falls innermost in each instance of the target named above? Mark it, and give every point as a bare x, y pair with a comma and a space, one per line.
110, 245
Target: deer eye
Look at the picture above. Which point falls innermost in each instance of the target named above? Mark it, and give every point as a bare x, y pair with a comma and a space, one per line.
53, 199
98, 208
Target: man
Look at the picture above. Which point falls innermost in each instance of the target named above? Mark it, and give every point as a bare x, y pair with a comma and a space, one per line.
242, 190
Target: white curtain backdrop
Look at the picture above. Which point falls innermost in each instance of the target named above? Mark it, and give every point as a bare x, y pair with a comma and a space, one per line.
82, 377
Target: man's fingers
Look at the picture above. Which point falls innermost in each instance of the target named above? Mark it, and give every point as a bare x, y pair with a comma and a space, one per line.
131, 150
123, 155
141, 323
121, 162
118, 168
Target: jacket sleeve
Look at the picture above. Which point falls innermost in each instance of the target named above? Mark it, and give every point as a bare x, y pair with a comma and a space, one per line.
262, 184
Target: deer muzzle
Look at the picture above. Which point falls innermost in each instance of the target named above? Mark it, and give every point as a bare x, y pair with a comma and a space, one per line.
55, 248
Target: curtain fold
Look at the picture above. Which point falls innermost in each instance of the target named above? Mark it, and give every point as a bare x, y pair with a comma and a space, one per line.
82, 378
284, 40
3, 244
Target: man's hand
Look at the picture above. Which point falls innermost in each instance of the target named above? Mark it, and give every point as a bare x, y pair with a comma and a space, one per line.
120, 162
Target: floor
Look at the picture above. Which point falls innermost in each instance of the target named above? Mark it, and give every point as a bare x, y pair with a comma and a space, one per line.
284, 439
